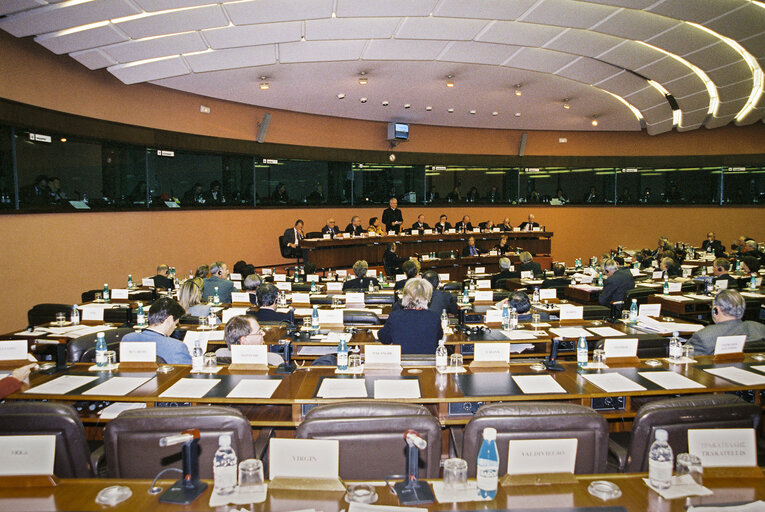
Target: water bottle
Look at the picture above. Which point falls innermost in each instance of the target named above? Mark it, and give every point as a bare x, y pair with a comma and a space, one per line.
738, 265
216, 297
295, 277
75, 317
130, 281
505, 316
197, 357
636, 265
105, 295
342, 355
634, 311
371, 286
513, 319
753, 282
315, 317
600, 279
444, 321
660, 461
313, 286
465, 295
675, 348
441, 355
487, 465
666, 284
224, 466
535, 295
581, 352
703, 270
100, 350
140, 315
212, 319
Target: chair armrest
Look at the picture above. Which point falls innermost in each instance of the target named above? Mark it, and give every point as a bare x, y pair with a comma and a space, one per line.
619, 452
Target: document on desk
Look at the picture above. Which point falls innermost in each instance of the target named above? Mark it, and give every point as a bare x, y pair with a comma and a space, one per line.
61, 385
606, 332
254, 388
363, 507
521, 334
699, 297
190, 388
112, 411
670, 380
32, 333
342, 388
398, 388
737, 375
570, 332
534, 384
759, 368
613, 382
118, 386
316, 351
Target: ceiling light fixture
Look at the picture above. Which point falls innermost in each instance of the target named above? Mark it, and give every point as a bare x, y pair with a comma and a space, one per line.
407, 105
449, 81
264, 86
364, 80
565, 104
385, 103
630, 106
450, 110
428, 108
517, 114
472, 112
518, 90
63, 139
363, 100
495, 113
340, 96
594, 121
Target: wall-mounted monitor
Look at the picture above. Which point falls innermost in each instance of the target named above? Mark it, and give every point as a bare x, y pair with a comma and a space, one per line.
398, 131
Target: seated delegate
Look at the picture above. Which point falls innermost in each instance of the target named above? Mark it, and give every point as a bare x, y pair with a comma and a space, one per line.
268, 297
244, 330
527, 264
617, 282
163, 318
218, 279
361, 282
728, 309
189, 295
416, 328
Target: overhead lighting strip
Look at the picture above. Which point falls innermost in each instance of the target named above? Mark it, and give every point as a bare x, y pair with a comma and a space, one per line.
629, 105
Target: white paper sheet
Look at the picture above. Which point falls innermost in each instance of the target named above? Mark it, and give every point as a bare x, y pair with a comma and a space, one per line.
605, 332
190, 388
118, 386
521, 334
613, 382
399, 388
570, 332
254, 388
342, 388
670, 380
533, 384
737, 375
32, 333
517, 348
316, 351
759, 368
61, 385
112, 411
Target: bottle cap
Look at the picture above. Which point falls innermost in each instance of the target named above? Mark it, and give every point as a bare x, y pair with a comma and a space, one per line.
661, 435
224, 440
490, 434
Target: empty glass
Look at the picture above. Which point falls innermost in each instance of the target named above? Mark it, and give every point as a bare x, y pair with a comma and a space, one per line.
455, 361
210, 360
535, 317
689, 464
60, 318
455, 474
203, 323
354, 362
688, 351
598, 356
250, 476
97, 297
111, 357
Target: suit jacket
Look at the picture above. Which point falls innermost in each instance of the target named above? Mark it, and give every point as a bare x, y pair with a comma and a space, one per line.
704, 341
505, 227
504, 274
503, 249
440, 301
171, 350
419, 226
390, 216
391, 262
161, 281
224, 288
732, 281
416, 330
716, 246
354, 230
466, 250
616, 286
442, 228
460, 226
531, 265
269, 315
360, 284
529, 225
291, 236
556, 282
333, 231
400, 284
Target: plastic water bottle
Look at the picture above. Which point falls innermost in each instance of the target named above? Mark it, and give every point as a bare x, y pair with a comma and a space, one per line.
282, 299
465, 295
581, 352
441, 355
513, 319
342, 355
753, 282
130, 281
636, 266
100, 350
487, 465
216, 296
675, 348
660, 461
535, 295
212, 319
315, 317
197, 357
505, 317
295, 277
444, 321
600, 279
106, 295
75, 316
140, 315
634, 311
666, 284
371, 286
313, 286
224, 466
738, 265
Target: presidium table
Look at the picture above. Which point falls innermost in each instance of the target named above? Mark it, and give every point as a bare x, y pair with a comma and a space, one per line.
343, 252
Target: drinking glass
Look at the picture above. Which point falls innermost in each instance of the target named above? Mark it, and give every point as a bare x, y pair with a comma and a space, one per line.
598, 356
60, 318
111, 357
210, 360
689, 464
688, 351
455, 361
250, 476
354, 362
455, 474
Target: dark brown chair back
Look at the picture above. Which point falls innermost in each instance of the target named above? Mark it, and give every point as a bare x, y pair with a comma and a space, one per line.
83, 349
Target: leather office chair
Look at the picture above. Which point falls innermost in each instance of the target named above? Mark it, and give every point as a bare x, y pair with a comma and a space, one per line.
677, 416
444, 254
595, 312
537, 420
301, 287
640, 293
83, 349
132, 439
73, 459
371, 436
379, 299
360, 317
288, 252
46, 313
452, 285
314, 234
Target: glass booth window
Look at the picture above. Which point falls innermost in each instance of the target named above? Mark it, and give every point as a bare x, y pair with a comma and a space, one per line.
7, 194
478, 185
377, 183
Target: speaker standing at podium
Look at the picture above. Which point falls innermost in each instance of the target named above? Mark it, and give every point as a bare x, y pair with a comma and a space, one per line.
392, 216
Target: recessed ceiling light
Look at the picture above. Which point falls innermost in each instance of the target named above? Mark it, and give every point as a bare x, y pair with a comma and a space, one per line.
565, 104
449, 81
63, 139
340, 96
517, 114
363, 100
428, 108
518, 89
450, 110
594, 121
363, 81
264, 86
385, 103
472, 111
495, 113
407, 105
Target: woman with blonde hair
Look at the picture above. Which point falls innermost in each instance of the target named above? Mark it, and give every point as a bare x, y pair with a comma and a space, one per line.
189, 297
416, 328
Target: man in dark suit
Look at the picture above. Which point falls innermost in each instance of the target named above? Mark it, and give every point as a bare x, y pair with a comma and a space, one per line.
440, 300
529, 224
420, 224
720, 268
218, 279
711, 244
354, 228
527, 264
361, 283
617, 282
410, 268
392, 216
442, 225
559, 280
330, 228
504, 272
268, 296
464, 225
215, 194
471, 249
391, 260
161, 280
292, 239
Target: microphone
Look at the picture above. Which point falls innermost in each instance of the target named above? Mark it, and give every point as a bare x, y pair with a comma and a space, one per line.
183, 437
414, 439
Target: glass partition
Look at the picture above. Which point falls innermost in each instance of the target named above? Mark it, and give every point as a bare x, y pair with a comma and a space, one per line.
7, 193
377, 183
476, 185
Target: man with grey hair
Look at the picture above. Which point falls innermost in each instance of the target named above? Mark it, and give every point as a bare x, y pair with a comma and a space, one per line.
504, 272
218, 279
330, 228
528, 264
727, 311
161, 280
354, 228
416, 328
361, 283
250, 285
618, 281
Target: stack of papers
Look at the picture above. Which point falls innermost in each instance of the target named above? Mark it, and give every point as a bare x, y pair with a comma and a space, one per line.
570, 332
613, 382
535, 384
113, 410
670, 380
648, 324
342, 388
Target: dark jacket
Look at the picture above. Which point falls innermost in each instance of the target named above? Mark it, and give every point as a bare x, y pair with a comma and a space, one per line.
165, 282
616, 286
466, 250
391, 262
354, 230
438, 227
390, 216
416, 330
269, 315
531, 265
360, 284
440, 301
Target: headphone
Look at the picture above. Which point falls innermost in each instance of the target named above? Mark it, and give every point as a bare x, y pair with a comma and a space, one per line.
715, 311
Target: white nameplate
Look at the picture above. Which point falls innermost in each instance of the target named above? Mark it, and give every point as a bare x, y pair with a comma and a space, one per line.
710, 270
425, 257
536, 229
687, 272
391, 233
492, 352
722, 284
723, 447
586, 279
249, 354
147, 281
480, 270
119, 293
400, 277
284, 285
493, 316
267, 271
13, 350
237, 285
331, 316
527, 274
484, 284
278, 278
657, 274
495, 230
333, 286
493, 252
548, 293
301, 298
676, 287
451, 230
730, 344
372, 272
534, 456
342, 273
312, 277
346, 235
138, 352
354, 298
27, 455
326, 236
235, 277
649, 310
230, 313
620, 347
635, 271
415, 231
240, 297
568, 312
303, 458
427, 231
94, 314
382, 355
484, 296
444, 277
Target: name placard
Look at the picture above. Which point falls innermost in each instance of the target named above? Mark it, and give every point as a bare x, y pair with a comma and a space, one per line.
342, 273
119, 293
722, 284
400, 277
415, 231
444, 277
484, 295
620, 347
492, 352
301, 298
326, 236
354, 298
451, 231
480, 270
493, 252
535, 456
635, 271
13, 350
493, 316
382, 355
147, 281
237, 285
27, 455
230, 313
346, 235
303, 458
235, 276
484, 284
283, 285
730, 344
372, 272
548, 293
240, 297
675, 287
278, 278
657, 274
331, 316
527, 274
723, 447
568, 312
536, 229
312, 277
94, 314
138, 352
334, 286
427, 231
267, 271
649, 310
249, 354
